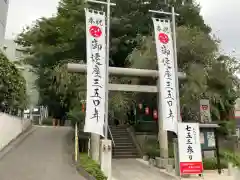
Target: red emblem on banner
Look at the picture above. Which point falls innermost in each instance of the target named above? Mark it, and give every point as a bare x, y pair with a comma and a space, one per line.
95, 31
204, 107
163, 38
155, 114
147, 111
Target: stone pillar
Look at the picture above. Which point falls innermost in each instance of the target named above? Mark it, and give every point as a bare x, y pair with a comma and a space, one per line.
162, 134
176, 157
106, 158
95, 143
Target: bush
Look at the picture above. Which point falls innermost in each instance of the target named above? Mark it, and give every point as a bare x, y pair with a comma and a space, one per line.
76, 116
92, 167
211, 164
151, 148
227, 128
13, 91
231, 157
153, 152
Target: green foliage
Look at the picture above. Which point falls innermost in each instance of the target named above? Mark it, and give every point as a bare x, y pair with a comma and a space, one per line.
227, 128
209, 75
151, 148
12, 85
53, 42
77, 116
211, 164
91, 167
231, 157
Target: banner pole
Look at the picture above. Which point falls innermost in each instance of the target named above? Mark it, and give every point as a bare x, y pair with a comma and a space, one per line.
107, 66
175, 62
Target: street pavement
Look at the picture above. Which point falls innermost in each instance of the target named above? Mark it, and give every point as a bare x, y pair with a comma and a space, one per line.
132, 169
43, 155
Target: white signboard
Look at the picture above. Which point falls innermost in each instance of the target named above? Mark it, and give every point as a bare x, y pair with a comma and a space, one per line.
202, 139
205, 113
190, 155
211, 139
165, 54
96, 69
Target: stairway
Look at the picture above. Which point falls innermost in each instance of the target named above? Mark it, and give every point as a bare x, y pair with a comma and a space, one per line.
124, 147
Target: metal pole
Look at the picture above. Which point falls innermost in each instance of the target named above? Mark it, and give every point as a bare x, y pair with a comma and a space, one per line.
175, 62
107, 66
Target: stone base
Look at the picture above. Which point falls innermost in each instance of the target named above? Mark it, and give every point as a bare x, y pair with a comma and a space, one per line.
106, 157
152, 162
145, 158
161, 162
171, 161
169, 168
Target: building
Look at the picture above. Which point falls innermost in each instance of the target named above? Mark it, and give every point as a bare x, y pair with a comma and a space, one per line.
16, 53
3, 18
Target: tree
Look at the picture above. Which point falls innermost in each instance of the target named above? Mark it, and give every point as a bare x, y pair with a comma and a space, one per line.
12, 85
208, 75
61, 39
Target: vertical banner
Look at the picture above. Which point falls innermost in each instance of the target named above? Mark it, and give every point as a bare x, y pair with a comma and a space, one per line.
205, 114
190, 154
96, 70
165, 55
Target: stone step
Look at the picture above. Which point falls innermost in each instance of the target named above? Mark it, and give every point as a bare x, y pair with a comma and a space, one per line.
118, 129
118, 153
124, 146
119, 132
125, 156
116, 139
125, 149
123, 143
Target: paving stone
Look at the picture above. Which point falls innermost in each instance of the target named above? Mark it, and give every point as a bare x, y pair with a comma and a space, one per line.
44, 155
131, 169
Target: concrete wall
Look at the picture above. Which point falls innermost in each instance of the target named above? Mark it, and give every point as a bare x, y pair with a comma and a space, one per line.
11, 127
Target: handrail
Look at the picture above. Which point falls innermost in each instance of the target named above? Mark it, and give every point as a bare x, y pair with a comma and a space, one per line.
111, 136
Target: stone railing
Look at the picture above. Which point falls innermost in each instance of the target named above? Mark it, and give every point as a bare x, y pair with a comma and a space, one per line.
11, 127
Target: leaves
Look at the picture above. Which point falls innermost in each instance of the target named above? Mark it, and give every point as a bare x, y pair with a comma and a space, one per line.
208, 75
12, 84
53, 42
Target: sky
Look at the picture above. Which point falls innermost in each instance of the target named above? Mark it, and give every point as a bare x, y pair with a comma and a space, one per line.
222, 16
219, 14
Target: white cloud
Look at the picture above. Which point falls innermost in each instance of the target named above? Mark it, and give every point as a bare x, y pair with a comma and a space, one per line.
24, 12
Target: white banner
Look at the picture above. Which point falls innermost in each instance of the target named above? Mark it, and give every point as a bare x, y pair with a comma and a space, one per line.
165, 55
96, 69
190, 154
